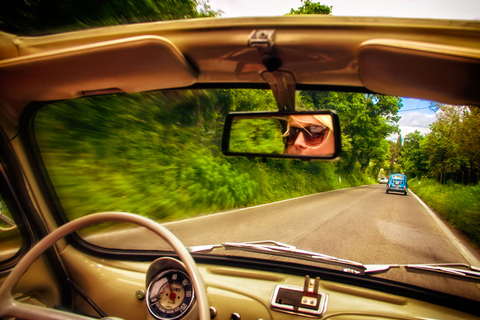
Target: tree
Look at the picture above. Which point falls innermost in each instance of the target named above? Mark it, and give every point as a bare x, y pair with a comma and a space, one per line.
310, 7
412, 159
381, 161
48, 16
468, 136
394, 155
452, 145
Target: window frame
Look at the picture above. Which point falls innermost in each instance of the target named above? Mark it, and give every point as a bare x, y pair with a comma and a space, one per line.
13, 194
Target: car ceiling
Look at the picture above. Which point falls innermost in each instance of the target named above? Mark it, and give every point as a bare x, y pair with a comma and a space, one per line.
426, 59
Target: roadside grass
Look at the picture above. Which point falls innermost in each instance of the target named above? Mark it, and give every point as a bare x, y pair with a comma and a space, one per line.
159, 156
458, 204
203, 185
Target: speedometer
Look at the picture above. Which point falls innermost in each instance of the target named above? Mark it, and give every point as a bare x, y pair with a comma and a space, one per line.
170, 295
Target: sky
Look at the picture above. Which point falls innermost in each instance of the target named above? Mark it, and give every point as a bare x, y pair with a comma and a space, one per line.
440, 9
415, 113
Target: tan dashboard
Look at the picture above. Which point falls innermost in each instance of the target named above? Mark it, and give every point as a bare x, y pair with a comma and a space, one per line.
119, 288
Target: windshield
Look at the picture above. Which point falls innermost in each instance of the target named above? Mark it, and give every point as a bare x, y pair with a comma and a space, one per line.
158, 154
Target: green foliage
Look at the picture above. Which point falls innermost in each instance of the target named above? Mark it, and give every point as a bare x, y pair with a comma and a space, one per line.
458, 204
394, 151
280, 179
48, 16
378, 163
257, 136
138, 153
451, 146
411, 158
310, 7
157, 154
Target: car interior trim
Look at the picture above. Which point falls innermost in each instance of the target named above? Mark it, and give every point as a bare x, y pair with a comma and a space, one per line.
150, 60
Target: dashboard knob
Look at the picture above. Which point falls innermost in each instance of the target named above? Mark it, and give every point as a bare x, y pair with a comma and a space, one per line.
235, 316
213, 312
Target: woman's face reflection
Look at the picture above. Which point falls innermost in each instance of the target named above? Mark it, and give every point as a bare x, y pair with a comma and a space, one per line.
310, 135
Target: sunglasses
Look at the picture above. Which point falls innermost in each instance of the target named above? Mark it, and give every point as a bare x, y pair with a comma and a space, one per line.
313, 135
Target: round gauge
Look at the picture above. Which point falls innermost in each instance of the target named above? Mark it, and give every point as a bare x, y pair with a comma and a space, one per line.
170, 295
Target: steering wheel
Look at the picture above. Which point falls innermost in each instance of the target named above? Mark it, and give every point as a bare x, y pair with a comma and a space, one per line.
11, 308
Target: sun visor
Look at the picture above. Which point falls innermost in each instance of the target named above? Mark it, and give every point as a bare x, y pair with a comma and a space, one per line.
446, 74
130, 65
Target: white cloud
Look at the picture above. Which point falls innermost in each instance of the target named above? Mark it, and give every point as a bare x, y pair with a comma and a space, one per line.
439, 9
405, 130
417, 119
251, 8
414, 121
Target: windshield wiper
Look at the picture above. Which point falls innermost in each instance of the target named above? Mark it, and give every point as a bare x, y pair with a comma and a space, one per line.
281, 249
458, 271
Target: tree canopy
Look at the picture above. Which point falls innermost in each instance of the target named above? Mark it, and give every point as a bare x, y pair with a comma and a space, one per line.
35, 17
310, 7
412, 158
450, 147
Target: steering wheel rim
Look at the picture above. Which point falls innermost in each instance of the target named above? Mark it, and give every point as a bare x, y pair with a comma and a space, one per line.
11, 308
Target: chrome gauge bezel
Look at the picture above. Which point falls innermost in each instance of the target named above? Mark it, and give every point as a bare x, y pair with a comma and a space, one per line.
155, 306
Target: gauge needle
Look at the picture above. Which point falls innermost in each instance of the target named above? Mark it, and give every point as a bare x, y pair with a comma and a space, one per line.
172, 296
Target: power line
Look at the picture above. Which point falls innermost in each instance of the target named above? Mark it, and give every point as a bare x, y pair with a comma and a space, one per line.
415, 109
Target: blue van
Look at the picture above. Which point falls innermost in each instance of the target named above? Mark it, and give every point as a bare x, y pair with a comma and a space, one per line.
397, 183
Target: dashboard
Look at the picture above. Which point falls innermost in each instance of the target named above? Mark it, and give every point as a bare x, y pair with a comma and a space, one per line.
161, 290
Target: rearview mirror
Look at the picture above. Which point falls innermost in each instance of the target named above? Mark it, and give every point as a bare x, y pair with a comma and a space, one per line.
299, 135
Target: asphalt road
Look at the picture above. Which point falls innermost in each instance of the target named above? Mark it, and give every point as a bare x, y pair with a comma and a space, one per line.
363, 224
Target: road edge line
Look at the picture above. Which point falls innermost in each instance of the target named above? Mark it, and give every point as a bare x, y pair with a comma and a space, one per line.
464, 251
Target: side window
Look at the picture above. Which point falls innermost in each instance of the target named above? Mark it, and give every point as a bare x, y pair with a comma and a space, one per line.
10, 237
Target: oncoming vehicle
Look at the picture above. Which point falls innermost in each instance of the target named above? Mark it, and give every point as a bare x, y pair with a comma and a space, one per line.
126, 149
397, 183
383, 180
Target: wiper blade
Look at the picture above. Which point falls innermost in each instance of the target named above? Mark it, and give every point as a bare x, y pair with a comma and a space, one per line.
281, 249
458, 271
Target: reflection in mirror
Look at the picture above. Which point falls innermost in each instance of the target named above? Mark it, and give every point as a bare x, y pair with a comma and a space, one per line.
290, 135
310, 135
261, 135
